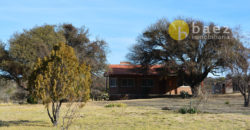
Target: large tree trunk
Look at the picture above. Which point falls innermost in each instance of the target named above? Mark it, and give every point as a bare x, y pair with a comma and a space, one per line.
247, 103
195, 91
245, 91
55, 109
246, 99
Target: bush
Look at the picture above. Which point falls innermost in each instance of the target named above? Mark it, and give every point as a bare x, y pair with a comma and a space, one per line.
31, 100
184, 94
98, 95
116, 105
105, 96
185, 110
192, 110
98, 89
227, 102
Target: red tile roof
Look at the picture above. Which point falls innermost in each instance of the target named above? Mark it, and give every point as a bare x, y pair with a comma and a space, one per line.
128, 69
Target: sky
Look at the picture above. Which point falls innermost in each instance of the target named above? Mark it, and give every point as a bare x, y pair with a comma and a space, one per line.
118, 22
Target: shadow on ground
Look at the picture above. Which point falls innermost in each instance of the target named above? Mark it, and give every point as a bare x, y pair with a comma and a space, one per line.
23, 123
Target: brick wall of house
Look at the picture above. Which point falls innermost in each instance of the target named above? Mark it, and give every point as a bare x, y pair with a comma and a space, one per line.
160, 86
128, 71
179, 89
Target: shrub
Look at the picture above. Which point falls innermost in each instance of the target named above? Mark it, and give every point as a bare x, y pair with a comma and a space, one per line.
60, 77
184, 94
98, 89
183, 110
31, 100
227, 102
116, 105
98, 95
190, 110
105, 96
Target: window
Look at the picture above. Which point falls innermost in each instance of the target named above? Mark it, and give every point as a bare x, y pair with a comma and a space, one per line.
147, 82
127, 82
113, 82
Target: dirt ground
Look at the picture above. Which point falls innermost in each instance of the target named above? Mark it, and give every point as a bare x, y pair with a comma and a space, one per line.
219, 103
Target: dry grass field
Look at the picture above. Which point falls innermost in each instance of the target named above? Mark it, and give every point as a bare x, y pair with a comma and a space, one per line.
139, 114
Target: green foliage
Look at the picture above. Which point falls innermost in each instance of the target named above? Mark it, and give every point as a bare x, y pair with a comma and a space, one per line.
17, 63
116, 105
98, 89
93, 53
184, 94
183, 110
97, 95
100, 96
227, 102
26, 47
190, 110
31, 100
60, 77
34, 43
105, 96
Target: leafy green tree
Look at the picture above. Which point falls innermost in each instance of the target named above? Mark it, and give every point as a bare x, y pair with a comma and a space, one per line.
93, 53
192, 58
17, 62
60, 77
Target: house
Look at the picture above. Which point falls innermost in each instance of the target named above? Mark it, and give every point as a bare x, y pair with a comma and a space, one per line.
224, 87
126, 80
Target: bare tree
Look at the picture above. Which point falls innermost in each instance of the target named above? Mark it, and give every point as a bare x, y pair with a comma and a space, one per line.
241, 75
242, 81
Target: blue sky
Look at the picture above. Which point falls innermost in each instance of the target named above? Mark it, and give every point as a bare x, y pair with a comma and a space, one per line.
118, 22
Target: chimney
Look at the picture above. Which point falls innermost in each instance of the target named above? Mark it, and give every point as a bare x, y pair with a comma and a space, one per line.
125, 63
